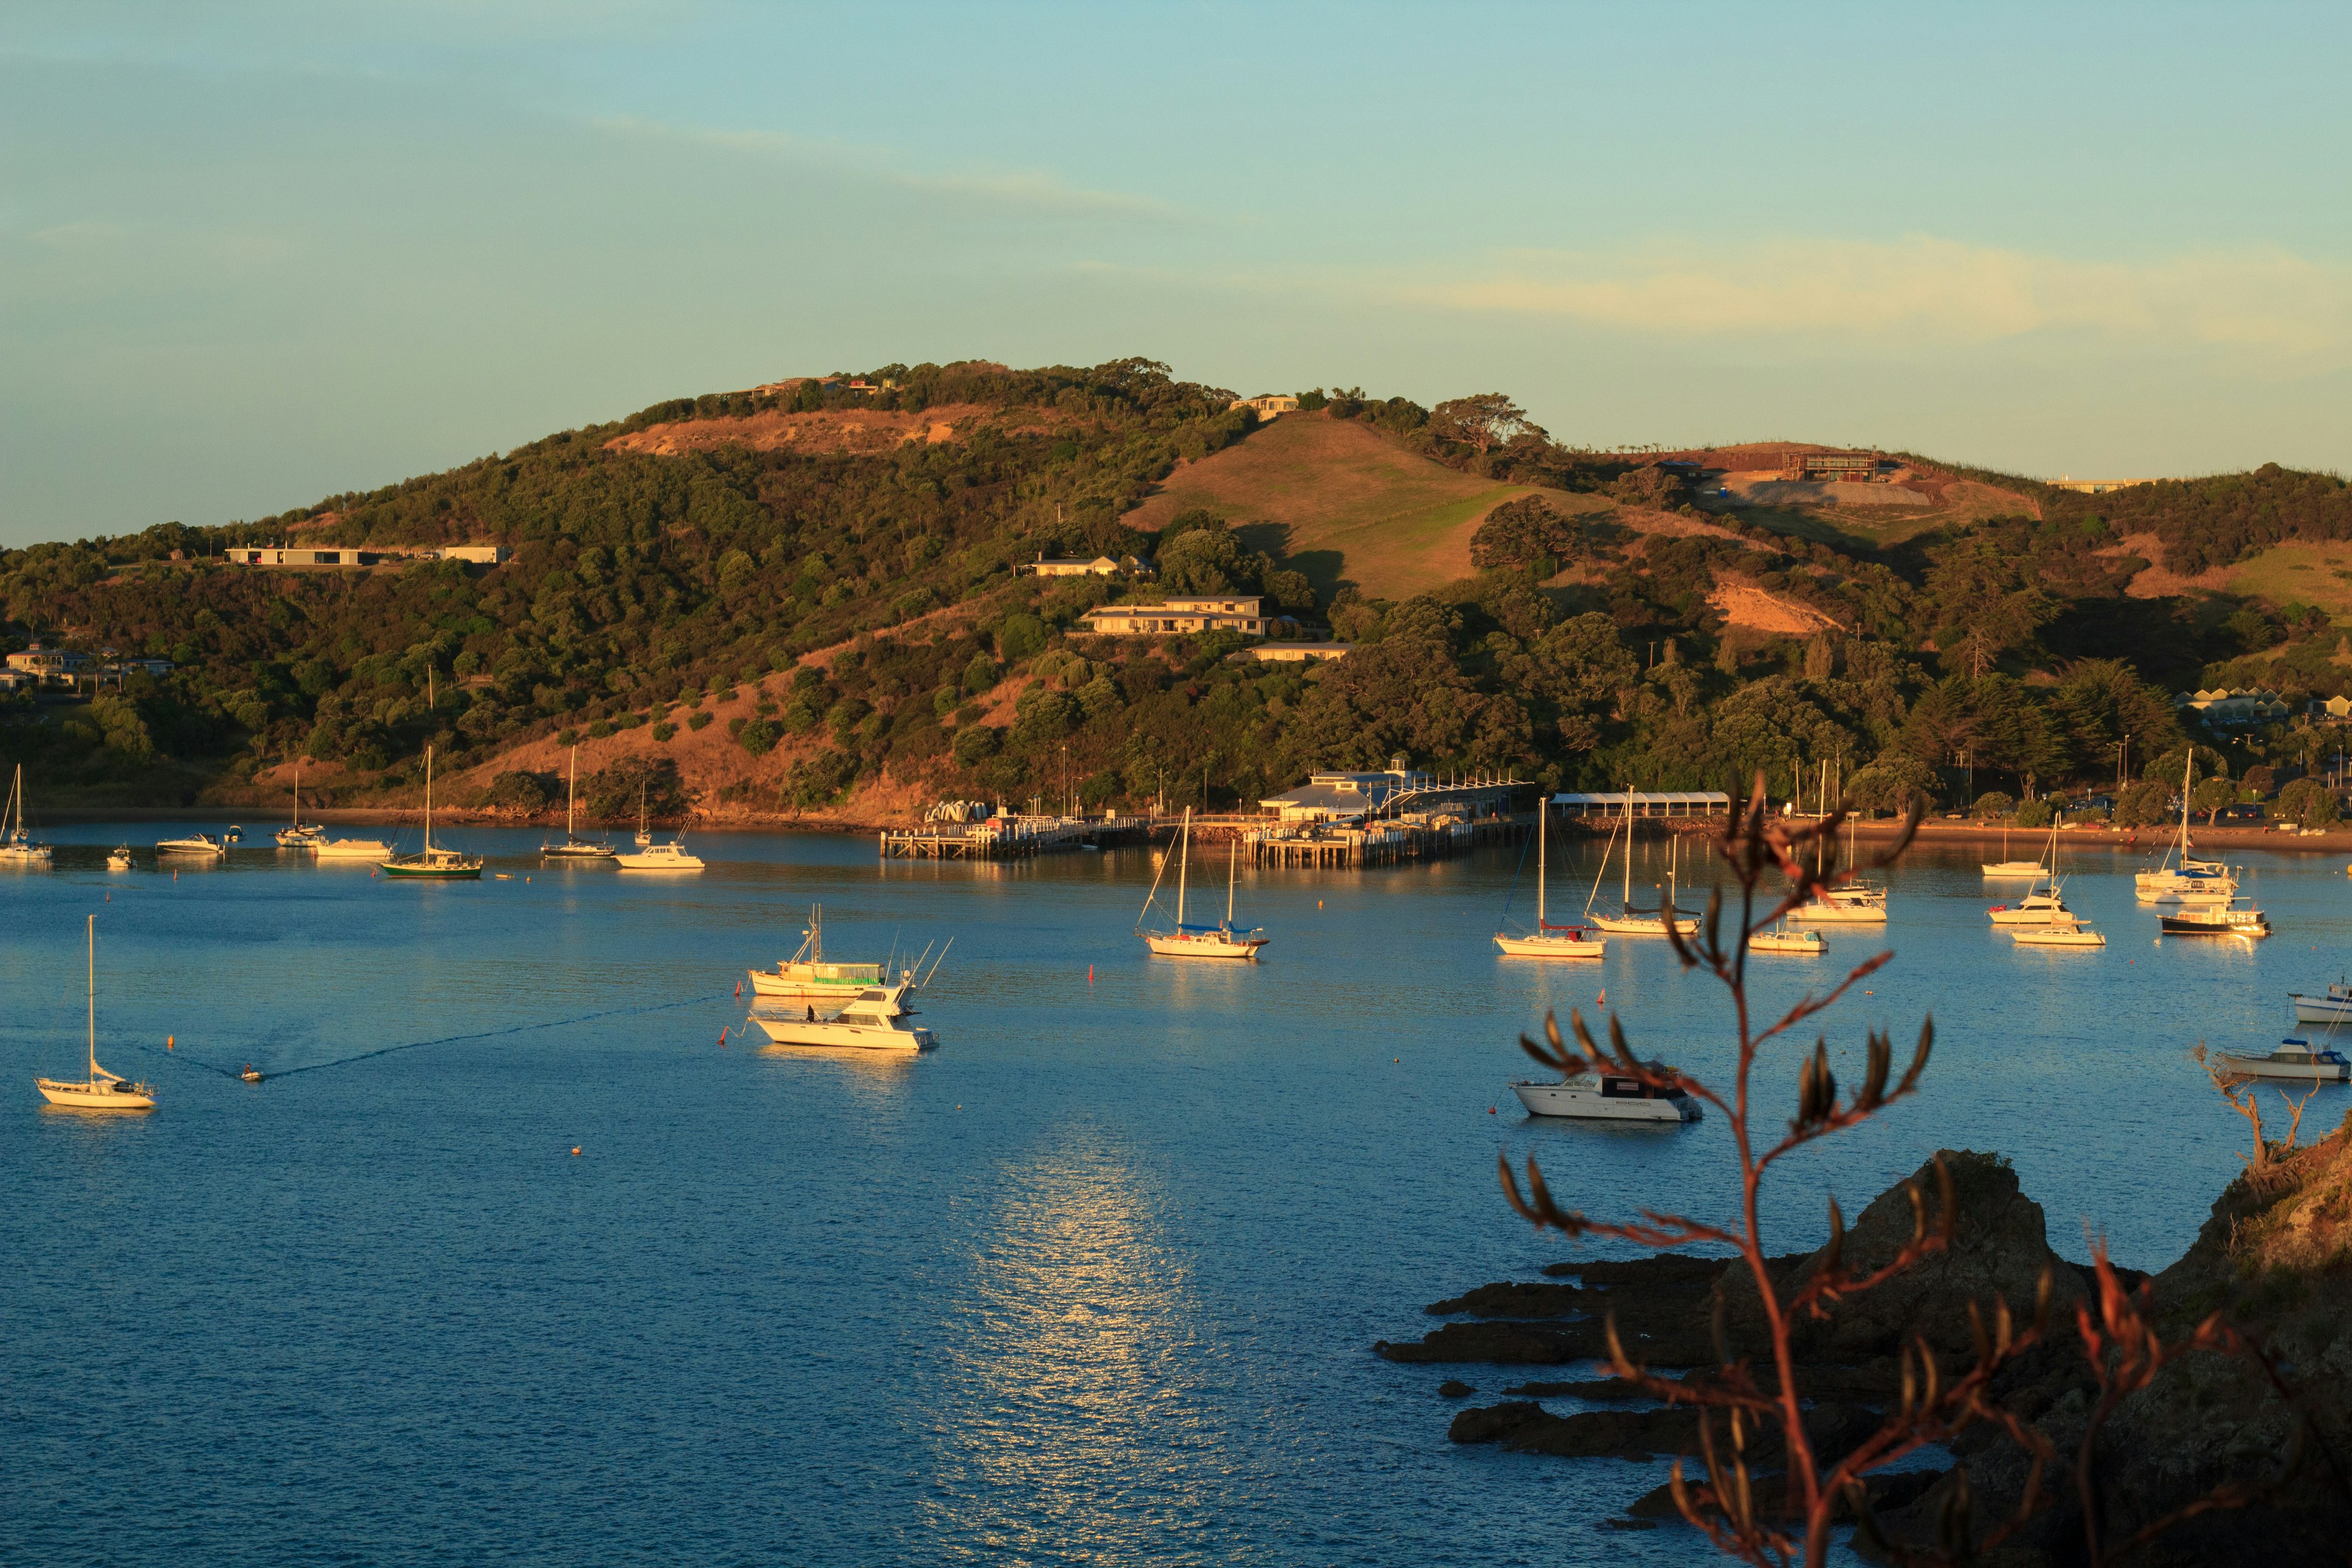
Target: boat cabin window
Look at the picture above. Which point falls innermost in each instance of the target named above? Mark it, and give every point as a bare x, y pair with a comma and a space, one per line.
1624, 1088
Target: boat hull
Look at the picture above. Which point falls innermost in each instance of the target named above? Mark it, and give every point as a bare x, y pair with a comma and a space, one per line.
2312, 1071
1553, 944
1215, 946
845, 1037
2007, 916
93, 1097
657, 862
824, 993
2321, 1009
373, 850
577, 852
2182, 925
1807, 943
1642, 925
1590, 1104
1839, 914
2057, 936
432, 873
2012, 868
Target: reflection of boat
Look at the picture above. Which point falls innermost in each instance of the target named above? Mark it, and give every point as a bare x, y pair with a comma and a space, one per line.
573, 848
1222, 940
429, 863
805, 977
876, 1019
120, 859
2191, 881
2215, 919
194, 843
1549, 940
2293, 1058
1607, 1097
2336, 1007
18, 849
1785, 941
294, 835
102, 1090
652, 857
2060, 930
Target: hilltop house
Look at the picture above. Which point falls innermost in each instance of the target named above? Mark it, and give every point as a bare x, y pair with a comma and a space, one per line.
1267, 404
1100, 566
349, 555
1243, 612
2337, 709
49, 665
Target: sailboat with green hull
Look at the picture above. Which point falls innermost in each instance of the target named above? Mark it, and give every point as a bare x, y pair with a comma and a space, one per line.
431, 864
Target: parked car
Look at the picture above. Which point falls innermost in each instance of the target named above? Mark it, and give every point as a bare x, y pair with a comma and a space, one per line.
2250, 811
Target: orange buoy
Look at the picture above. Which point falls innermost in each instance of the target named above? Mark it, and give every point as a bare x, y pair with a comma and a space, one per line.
167, 1042
575, 1148
739, 988
1490, 1111
1090, 974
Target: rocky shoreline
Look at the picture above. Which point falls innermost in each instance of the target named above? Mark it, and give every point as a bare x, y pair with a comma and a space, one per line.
2272, 1258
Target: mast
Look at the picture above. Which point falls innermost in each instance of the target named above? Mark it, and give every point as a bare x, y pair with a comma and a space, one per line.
1183, 866
93, 998
572, 797
2188, 771
1629, 850
429, 800
1233, 857
1543, 811
298, 789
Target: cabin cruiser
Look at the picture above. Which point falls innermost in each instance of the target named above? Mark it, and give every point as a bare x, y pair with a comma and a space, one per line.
2336, 1007
120, 859
1606, 1096
2061, 930
1851, 905
199, 843
1809, 943
876, 1019
2033, 910
2294, 1059
2215, 919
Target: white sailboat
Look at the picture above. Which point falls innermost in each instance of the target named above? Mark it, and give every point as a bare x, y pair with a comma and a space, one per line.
1549, 940
102, 1090
1222, 940
1852, 903
573, 848
2037, 908
19, 848
1628, 920
2007, 867
652, 857
806, 977
2193, 881
294, 835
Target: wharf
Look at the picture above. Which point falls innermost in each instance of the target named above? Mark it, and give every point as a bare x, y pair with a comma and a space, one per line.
1380, 841
1008, 837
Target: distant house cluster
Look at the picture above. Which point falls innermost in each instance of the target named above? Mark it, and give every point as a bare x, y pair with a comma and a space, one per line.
39, 666
1244, 614
2094, 487
351, 556
2235, 706
1100, 566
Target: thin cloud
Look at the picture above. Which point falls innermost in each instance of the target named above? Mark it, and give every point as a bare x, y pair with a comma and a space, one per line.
1923, 289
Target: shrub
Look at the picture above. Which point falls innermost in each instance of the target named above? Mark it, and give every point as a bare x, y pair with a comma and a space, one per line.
975, 743
2034, 814
665, 730
567, 737
759, 737
1021, 636
520, 792
815, 781
1993, 804
1523, 531
600, 729
613, 792
698, 721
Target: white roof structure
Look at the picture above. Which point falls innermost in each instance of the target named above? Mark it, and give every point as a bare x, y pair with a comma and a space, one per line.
1647, 803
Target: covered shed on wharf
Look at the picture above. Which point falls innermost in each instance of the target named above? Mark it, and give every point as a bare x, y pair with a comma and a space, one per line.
1672, 803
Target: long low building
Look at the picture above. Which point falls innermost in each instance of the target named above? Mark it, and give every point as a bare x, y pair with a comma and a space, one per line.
361, 554
1640, 804
1240, 612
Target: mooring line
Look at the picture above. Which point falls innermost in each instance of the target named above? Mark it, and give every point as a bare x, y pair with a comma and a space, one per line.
175, 1054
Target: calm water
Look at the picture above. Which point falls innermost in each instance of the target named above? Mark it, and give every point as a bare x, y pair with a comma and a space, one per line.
1096, 1281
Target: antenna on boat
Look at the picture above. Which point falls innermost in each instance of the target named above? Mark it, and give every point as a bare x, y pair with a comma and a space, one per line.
935, 968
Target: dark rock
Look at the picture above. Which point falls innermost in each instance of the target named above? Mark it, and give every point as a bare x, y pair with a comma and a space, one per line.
1526, 1427
1508, 1300
1501, 1344
1454, 1388
1884, 1491
1602, 1391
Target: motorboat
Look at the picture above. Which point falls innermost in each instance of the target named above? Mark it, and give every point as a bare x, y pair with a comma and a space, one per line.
371, 849
2215, 919
876, 1019
431, 864
1607, 1097
295, 835
196, 844
2336, 1007
250, 1075
2033, 910
807, 977
102, 1090
2192, 881
573, 847
2294, 1059
1548, 940
120, 859
1807, 943
1224, 939
650, 855
2063, 931
1843, 905
1629, 920
18, 849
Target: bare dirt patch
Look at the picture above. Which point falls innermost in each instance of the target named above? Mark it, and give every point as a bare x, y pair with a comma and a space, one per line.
856, 430
1744, 603
2156, 582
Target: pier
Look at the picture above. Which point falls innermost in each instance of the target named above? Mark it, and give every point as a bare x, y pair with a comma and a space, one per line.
1014, 838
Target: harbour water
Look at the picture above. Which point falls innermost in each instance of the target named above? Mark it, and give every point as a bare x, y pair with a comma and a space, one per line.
1096, 1281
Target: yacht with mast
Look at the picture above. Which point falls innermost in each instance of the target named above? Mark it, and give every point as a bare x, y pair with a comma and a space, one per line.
807, 978
429, 863
294, 835
2005, 866
2037, 908
2193, 881
651, 856
1628, 920
1224, 939
573, 847
102, 1090
1547, 941
1851, 903
19, 850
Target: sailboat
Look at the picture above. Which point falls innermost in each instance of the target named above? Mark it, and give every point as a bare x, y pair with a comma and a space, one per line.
19, 850
573, 848
1628, 920
806, 977
294, 835
2192, 881
2037, 908
439, 865
1852, 903
1222, 940
2007, 867
1549, 940
652, 857
102, 1090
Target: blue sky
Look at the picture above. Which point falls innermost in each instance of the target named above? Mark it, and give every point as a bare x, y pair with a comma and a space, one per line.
255, 254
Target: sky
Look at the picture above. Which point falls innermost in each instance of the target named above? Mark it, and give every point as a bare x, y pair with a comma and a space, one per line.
253, 255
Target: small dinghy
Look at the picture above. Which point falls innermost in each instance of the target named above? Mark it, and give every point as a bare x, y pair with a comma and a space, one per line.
1607, 1097
120, 859
2294, 1059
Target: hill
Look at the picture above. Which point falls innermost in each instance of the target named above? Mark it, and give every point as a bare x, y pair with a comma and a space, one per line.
805, 598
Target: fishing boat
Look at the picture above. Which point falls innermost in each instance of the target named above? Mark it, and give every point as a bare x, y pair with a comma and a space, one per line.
102, 1090
1809, 943
120, 859
1606, 1097
573, 847
876, 1019
2335, 1007
431, 864
1628, 920
650, 855
198, 844
2215, 919
2294, 1059
1224, 939
19, 850
2192, 881
2061, 931
1549, 940
294, 834
807, 977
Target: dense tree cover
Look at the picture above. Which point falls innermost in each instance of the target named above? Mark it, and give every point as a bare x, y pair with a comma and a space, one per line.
642, 585
2220, 519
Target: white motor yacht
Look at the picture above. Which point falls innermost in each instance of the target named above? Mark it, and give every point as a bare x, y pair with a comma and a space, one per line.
102, 1090
197, 844
2063, 931
876, 1019
2335, 1007
120, 859
18, 849
1606, 1097
1810, 943
650, 855
1843, 905
1222, 940
2292, 1060
1547, 941
2033, 910
807, 977
2215, 919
